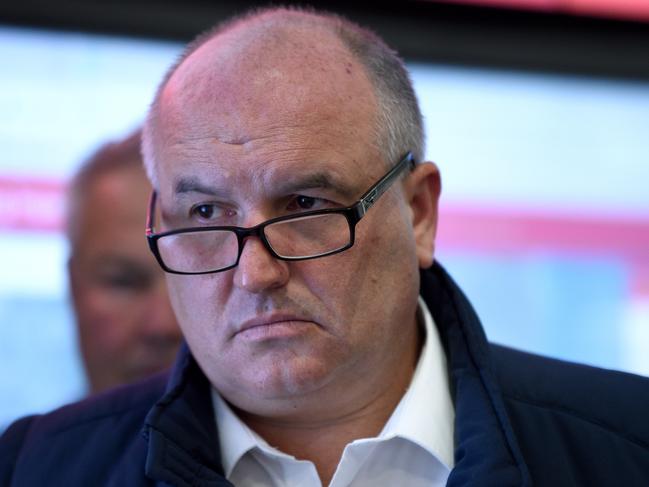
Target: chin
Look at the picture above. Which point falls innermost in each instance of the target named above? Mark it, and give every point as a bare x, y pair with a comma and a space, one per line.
288, 380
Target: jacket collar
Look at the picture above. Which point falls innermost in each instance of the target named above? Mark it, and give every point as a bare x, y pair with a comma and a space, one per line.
183, 442
183, 445
486, 450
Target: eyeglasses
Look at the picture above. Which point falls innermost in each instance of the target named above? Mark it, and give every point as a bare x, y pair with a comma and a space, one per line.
302, 236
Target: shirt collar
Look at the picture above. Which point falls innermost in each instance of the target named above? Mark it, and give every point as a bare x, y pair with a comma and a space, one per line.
425, 414
235, 437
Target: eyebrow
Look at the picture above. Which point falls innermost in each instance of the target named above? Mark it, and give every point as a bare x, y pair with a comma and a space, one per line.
319, 180
193, 185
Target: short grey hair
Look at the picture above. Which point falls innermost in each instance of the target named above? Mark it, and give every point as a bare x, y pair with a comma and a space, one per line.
399, 126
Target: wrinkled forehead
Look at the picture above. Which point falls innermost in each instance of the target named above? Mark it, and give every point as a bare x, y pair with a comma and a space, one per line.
121, 188
111, 208
266, 89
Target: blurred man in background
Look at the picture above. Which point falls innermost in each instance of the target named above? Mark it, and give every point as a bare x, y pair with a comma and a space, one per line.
127, 329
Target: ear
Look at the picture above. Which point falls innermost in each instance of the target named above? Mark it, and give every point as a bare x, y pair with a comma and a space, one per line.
423, 189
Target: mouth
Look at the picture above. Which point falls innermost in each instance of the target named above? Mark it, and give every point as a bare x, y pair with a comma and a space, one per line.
275, 326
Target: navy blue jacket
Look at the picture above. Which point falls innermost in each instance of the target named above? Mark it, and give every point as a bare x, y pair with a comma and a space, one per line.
520, 420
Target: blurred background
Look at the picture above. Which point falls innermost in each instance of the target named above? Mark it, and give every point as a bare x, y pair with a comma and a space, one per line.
537, 112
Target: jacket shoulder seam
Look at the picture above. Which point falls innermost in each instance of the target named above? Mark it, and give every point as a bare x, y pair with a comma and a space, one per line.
571, 412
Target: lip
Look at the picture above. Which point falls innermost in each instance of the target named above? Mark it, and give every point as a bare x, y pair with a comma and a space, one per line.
273, 326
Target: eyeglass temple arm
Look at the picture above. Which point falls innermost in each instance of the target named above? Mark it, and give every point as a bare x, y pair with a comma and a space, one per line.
375, 192
150, 214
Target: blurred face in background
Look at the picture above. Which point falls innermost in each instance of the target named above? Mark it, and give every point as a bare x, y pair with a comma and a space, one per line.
127, 329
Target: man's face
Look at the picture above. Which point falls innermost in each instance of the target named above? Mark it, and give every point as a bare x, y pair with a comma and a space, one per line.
127, 329
270, 138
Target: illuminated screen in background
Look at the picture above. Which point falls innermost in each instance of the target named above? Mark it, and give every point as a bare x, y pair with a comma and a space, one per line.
544, 221
624, 9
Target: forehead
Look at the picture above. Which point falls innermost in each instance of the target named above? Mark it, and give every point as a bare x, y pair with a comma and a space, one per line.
288, 100
110, 216
114, 200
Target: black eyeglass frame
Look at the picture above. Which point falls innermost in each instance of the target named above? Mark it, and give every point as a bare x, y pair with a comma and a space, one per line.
353, 213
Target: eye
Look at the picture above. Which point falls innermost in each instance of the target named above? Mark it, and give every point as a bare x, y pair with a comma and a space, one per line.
119, 279
205, 211
211, 212
127, 280
305, 203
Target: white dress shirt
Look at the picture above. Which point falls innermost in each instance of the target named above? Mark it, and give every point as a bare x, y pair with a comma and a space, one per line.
414, 449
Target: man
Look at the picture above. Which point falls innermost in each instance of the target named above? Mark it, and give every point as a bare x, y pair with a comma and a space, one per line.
126, 327
323, 348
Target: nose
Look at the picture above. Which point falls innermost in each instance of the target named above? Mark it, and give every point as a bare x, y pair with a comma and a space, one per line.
258, 270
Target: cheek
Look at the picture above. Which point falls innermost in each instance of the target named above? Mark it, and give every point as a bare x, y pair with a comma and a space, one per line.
345, 285
180, 297
369, 281
107, 322
385, 244
196, 301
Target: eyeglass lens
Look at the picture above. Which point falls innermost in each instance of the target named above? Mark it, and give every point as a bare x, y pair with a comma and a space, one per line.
201, 251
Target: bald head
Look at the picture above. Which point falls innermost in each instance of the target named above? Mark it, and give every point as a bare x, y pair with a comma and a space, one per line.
287, 60
259, 66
